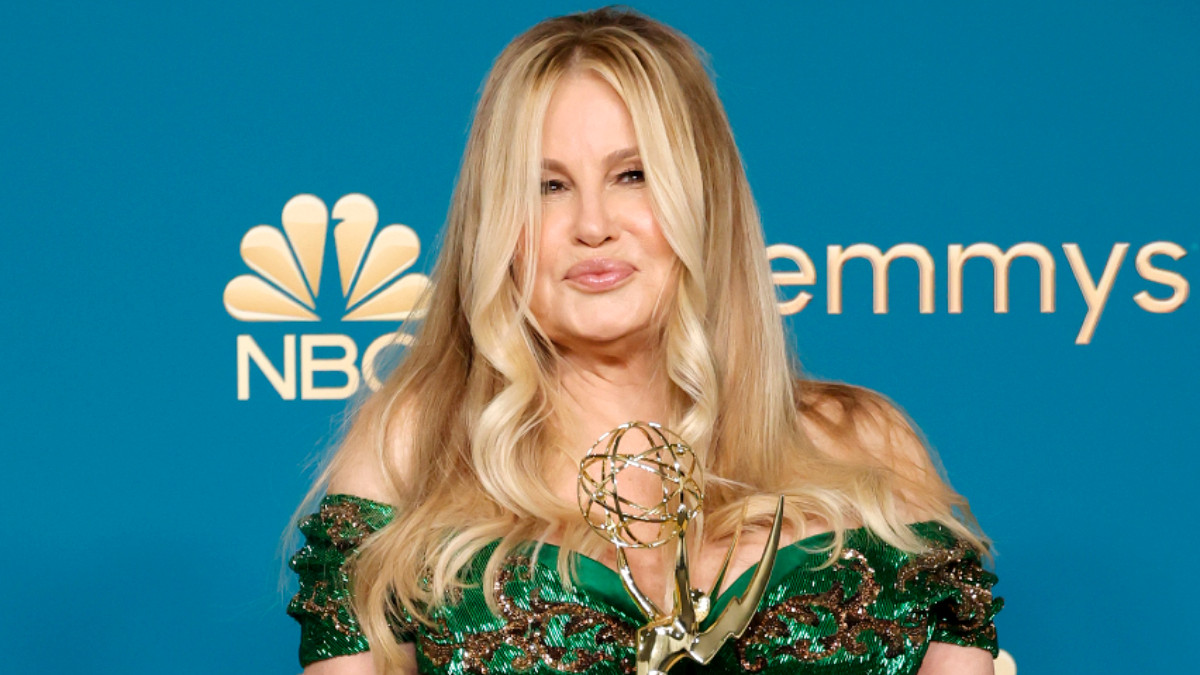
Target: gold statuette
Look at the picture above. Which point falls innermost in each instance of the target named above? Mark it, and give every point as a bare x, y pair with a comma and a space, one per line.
668, 637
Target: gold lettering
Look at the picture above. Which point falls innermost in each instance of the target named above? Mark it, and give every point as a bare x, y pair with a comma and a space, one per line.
956, 256
369, 373
880, 262
1158, 275
285, 384
1095, 295
806, 275
309, 364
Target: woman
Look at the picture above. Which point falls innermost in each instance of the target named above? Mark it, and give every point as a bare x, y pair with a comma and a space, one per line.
604, 262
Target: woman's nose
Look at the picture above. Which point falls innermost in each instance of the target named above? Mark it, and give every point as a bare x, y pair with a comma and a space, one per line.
594, 224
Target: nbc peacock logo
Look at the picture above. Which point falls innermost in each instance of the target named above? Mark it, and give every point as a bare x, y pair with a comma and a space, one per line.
285, 286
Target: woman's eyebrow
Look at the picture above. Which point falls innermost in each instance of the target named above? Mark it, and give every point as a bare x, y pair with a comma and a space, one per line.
549, 164
620, 155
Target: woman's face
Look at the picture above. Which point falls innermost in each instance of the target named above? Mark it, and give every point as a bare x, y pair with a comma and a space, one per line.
602, 262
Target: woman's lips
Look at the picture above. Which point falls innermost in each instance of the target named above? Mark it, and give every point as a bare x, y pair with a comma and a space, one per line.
599, 274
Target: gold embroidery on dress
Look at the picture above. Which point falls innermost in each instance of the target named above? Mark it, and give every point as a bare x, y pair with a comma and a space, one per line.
850, 614
346, 525
956, 568
526, 630
328, 610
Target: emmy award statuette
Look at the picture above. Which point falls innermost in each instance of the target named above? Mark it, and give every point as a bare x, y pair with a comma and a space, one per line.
668, 637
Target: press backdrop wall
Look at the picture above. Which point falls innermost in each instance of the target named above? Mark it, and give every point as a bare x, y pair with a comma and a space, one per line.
145, 498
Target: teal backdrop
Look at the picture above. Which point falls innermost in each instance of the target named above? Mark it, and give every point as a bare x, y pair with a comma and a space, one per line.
141, 141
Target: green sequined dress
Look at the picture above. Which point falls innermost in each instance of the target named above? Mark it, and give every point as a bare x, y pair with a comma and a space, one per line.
874, 611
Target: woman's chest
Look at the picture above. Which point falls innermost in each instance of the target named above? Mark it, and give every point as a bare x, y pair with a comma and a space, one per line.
845, 618
711, 564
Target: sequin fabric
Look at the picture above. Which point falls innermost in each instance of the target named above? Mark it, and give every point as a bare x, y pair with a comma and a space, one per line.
875, 610
322, 605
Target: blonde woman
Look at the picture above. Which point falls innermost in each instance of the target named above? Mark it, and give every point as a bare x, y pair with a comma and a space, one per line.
604, 262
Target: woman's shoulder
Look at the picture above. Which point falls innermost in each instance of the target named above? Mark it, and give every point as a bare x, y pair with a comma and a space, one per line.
859, 425
376, 457
865, 432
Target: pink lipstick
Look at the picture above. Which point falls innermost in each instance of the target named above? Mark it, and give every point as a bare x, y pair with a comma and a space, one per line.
599, 274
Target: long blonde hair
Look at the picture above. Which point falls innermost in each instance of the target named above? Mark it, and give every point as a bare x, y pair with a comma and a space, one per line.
473, 396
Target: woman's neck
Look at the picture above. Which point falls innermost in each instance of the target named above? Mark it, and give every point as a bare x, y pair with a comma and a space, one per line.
599, 393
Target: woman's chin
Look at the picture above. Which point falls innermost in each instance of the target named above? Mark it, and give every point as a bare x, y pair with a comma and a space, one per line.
602, 336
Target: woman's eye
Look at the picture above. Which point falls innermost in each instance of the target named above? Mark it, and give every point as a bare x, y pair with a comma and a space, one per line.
552, 186
632, 176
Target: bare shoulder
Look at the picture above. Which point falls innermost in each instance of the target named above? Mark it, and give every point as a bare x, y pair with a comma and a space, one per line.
870, 439
376, 453
860, 426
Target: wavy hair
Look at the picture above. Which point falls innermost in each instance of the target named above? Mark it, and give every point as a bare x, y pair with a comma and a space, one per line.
462, 432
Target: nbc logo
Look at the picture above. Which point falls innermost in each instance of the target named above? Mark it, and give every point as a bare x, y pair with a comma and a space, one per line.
286, 286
